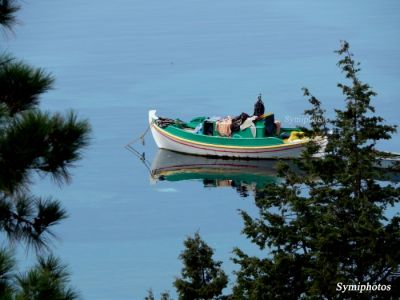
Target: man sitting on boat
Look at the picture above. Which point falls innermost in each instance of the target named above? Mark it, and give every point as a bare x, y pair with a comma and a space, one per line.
271, 126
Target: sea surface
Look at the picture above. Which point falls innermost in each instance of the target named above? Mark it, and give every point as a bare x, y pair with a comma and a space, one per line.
115, 60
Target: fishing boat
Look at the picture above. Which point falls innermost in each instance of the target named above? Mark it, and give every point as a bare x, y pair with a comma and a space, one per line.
250, 143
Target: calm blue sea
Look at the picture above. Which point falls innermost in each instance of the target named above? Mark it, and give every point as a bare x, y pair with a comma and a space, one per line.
115, 60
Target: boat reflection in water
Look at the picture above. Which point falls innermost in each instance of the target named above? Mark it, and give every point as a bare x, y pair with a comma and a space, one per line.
243, 175
246, 176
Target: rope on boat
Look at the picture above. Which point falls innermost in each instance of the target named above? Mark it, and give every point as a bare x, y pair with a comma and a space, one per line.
141, 137
140, 156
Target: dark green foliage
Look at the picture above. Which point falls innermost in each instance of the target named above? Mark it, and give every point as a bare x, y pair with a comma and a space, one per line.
32, 141
8, 8
165, 296
37, 141
328, 223
21, 85
29, 219
7, 264
202, 277
150, 295
49, 279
